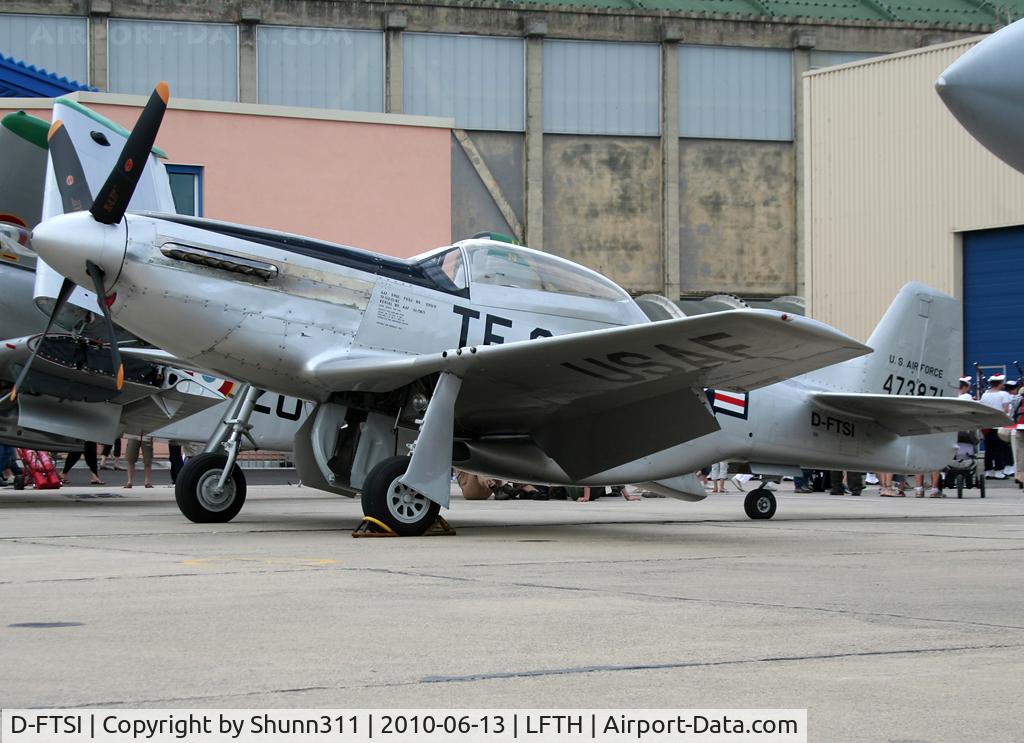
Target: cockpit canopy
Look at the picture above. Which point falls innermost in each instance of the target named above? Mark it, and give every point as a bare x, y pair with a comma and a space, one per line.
500, 264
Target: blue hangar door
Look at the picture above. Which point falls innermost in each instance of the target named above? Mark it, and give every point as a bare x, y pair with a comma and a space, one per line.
993, 298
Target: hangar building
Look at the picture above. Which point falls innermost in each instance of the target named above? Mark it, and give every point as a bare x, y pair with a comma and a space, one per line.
897, 190
657, 141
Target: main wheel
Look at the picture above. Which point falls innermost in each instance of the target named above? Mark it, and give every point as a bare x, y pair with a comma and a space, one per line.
196, 490
759, 504
960, 485
385, 499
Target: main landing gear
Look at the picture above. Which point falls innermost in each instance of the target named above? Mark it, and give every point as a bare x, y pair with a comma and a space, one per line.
211, 487
385, 498
406, 493
760, 504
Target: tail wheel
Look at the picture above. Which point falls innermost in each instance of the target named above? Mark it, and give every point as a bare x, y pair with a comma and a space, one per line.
760, 504
196, 492
409, 513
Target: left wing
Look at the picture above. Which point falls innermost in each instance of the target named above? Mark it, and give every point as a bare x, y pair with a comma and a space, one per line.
598, 399
907, 415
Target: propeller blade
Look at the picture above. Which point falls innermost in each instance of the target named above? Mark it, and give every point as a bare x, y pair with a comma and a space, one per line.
66, 287
96, 274
113, 197
74, 189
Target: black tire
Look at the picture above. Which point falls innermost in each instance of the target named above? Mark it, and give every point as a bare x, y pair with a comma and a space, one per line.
760, 504
959, 486
193, 490
409, 518
981, 484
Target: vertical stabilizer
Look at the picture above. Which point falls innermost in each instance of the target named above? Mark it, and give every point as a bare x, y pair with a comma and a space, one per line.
917, 349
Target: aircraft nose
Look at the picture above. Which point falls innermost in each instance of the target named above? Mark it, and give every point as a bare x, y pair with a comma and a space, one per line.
984, 89
66, 242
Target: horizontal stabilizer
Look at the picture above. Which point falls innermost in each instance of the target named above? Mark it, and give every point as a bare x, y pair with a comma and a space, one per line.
907, 415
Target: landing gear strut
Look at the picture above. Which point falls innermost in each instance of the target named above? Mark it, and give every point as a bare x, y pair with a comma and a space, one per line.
760, 504
211, 487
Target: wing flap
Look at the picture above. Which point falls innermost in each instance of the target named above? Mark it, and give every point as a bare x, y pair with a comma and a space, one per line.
907, 415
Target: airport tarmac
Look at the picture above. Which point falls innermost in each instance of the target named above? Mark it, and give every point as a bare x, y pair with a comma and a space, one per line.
888, 619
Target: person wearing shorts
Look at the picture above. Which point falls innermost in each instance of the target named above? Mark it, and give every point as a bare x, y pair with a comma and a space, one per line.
131, 455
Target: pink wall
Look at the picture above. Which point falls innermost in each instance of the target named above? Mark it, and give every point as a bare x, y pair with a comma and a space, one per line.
381, 187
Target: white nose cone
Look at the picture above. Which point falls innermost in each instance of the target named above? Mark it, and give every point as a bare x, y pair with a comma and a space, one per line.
68, 241
984, 89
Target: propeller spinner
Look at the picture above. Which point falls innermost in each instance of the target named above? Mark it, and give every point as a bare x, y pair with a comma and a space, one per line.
66, 236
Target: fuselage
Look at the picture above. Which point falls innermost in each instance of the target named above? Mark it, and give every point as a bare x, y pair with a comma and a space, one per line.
183, 286
267, 308
780, 428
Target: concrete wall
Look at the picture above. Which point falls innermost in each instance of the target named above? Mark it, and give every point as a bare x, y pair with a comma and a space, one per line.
473, 207
736, 225
602, 206
737, 214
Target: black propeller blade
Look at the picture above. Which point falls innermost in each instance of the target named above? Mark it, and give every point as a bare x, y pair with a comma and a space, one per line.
66, 287
74, 190
96, 273
108, 207
113, 197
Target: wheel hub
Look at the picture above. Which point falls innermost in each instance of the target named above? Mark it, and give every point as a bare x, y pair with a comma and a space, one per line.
405, 504
210, 496
764, 504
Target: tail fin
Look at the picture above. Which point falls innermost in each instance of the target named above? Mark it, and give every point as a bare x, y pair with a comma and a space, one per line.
917, 345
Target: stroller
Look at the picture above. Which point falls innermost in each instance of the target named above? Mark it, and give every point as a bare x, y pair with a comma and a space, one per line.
962, 472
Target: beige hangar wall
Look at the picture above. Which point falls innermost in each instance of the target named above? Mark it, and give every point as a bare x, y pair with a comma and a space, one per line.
891, 181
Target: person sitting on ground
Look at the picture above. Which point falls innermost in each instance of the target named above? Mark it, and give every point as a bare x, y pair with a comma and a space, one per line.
476, 487
588, 495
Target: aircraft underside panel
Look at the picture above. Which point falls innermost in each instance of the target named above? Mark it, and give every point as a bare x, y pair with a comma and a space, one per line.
337, 446
84, 421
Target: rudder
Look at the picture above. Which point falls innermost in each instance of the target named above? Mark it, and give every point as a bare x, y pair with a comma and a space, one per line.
917, 345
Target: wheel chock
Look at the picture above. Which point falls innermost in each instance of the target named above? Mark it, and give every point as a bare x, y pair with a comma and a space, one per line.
371, 527
440, 528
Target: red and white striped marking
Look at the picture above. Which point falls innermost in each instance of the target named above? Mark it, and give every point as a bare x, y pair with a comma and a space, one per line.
731, 402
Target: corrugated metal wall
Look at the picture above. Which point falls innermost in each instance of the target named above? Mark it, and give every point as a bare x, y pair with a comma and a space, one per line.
58, 44
321, 67
198, 60
890, 179
594, 87
735, 93
478, 80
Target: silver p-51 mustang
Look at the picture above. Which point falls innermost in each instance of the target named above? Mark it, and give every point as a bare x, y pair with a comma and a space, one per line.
497, 358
